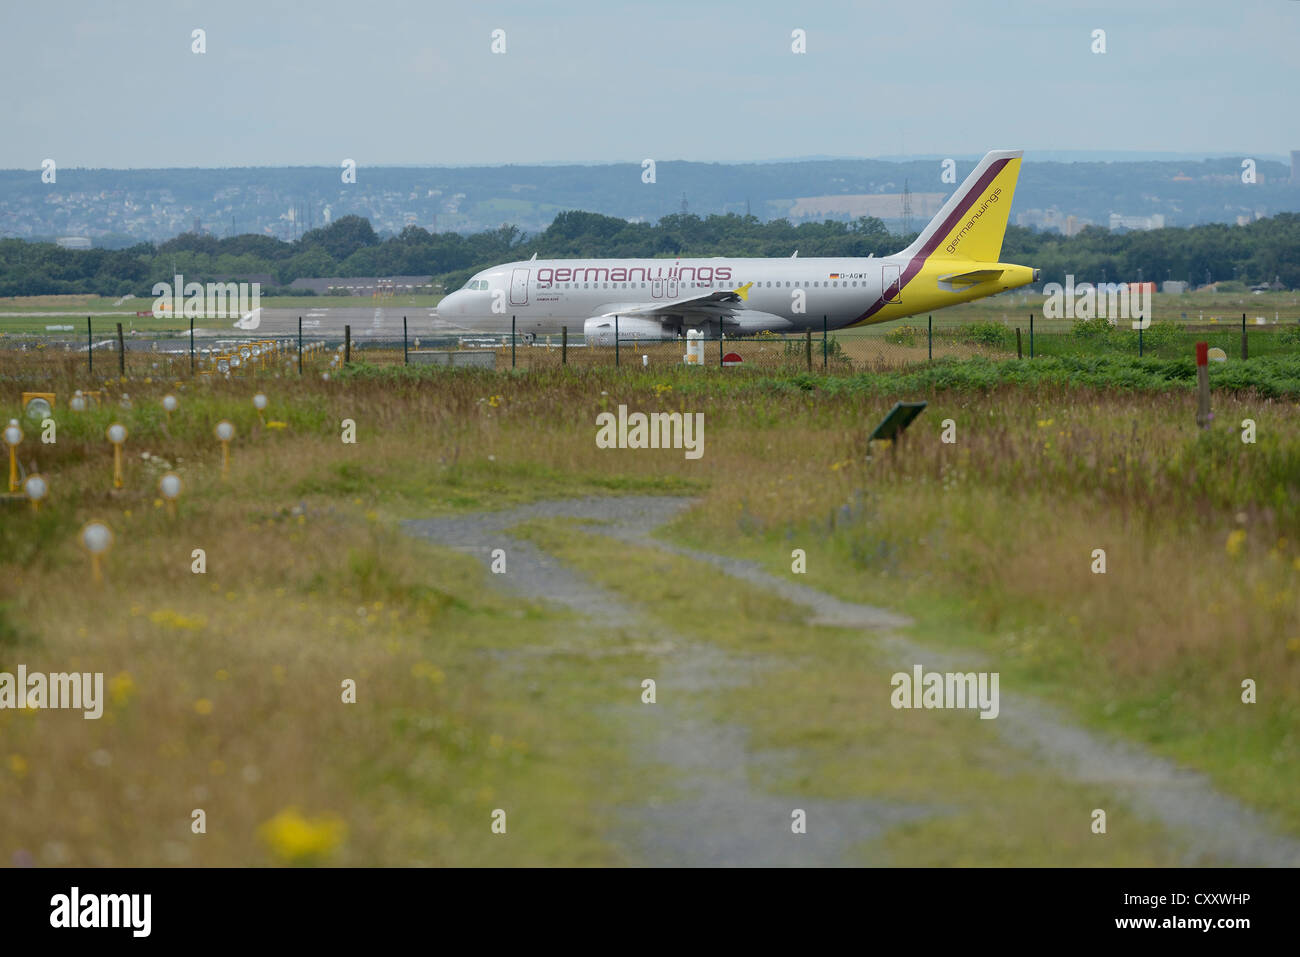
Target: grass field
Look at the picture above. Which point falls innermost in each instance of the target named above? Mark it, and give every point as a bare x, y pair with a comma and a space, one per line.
224, 688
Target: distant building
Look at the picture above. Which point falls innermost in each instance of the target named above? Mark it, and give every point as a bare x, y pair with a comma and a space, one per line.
1174, 287
1120, 221
74, 242
880, 205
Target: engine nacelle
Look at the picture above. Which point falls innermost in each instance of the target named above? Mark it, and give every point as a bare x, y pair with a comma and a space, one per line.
600, 332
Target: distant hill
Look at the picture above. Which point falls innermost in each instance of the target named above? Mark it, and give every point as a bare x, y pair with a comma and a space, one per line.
116, 207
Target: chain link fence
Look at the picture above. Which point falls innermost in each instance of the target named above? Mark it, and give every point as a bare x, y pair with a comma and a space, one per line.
878, 348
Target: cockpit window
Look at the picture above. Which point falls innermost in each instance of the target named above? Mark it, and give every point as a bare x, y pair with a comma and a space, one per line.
476, 285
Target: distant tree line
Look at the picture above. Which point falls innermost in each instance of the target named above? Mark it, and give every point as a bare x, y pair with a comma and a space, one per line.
1262, 251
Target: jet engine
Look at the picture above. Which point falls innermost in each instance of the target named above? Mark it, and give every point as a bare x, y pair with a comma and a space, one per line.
600, 331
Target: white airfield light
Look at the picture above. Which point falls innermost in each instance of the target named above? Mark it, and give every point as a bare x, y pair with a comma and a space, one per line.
13, 435
169, 486
78, 402
96, 538
117, 435
36, 488
225, 432
170, 403
259, 402
38, 409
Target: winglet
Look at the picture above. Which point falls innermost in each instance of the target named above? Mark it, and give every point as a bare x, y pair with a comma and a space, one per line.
743, 291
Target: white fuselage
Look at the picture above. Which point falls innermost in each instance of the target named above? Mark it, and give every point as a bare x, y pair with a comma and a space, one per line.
545, 295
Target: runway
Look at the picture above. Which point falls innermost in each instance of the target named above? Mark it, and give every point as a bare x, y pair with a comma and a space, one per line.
377, 322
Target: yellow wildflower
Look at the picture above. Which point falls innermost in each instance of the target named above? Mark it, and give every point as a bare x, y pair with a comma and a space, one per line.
295, 839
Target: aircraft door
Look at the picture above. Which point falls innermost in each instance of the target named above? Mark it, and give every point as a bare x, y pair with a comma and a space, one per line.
890, 289
519, 288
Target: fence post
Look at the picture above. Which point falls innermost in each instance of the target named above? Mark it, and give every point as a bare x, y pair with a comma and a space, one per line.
1019, 354
90, 346
121, 353
191, 345
300, 345
347, 345
808, 345
929, 337
1139, 340
1243, 335
564, 345
512, 342
826, 345
721, 357
616, 341
405, 360
1031, 335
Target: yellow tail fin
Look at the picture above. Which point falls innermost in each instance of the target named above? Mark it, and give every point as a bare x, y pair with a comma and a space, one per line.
974, 219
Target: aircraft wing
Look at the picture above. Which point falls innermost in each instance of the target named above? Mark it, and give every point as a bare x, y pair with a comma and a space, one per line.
715, 302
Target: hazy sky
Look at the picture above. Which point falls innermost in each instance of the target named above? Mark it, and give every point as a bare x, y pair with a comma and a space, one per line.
395, 83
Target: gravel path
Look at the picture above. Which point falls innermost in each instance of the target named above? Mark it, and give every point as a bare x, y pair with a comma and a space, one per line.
715, 816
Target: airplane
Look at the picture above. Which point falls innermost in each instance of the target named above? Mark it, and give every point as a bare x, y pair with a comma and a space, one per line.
954, 259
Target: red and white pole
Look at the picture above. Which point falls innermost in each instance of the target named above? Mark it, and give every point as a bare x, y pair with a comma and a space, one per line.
1203, 413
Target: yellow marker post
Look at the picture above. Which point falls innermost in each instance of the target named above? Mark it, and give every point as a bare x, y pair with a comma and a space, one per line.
225, 432
116, 434
169, 487
36, 488
13, 436
96, 538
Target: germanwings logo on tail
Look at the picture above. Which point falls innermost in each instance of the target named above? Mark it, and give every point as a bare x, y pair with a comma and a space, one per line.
970, 223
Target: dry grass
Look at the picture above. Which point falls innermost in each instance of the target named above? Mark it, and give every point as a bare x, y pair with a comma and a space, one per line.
987, 542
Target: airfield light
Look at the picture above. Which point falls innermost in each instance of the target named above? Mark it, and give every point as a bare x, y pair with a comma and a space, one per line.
96, 538
169, 487
36, 488
13, 435
170, 404
225, 432
117, 435
78, 402
223, 364
38, 405
235, 362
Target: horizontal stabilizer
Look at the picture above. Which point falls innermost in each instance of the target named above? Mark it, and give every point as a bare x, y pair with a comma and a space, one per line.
972, 278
